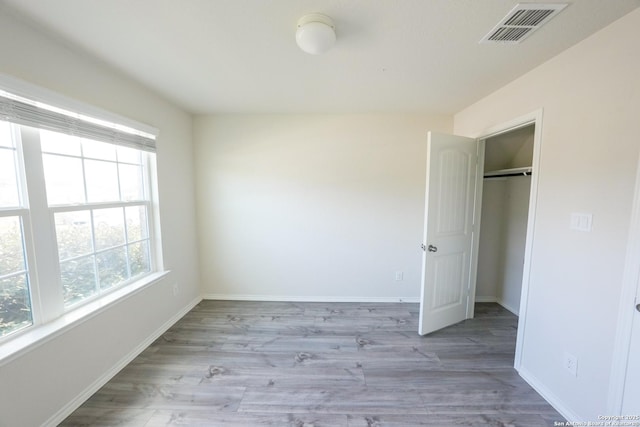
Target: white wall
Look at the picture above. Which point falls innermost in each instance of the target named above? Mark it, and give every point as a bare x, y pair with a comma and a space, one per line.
503, 232
517, 191
312, 206
35, 386
490, 249
591, 100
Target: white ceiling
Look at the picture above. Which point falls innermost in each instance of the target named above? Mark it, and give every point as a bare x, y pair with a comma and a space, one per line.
240, 56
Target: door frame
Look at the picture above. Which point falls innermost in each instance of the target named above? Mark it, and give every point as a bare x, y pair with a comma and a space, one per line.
533, 118
630, 289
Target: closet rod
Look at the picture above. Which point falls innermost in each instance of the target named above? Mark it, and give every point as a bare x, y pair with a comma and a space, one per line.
507, 175
503, 173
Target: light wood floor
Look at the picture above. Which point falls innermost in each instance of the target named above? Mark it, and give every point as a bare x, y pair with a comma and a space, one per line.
321, 364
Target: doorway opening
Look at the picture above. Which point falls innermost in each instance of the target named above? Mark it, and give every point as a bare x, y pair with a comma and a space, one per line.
506, 191
454, 217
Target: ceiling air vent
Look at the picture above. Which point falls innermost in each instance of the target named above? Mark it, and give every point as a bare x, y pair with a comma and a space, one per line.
522, 21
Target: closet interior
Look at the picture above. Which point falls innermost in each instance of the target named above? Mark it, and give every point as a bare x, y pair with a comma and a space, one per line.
505, 209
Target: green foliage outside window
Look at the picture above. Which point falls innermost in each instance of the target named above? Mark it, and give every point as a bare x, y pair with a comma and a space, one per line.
83, 273
15, 303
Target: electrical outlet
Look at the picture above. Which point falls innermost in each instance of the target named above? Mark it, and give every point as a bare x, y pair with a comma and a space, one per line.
571, 364
399, 276
176, 289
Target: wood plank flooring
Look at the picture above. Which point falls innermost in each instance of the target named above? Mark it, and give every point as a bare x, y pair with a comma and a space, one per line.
231, 363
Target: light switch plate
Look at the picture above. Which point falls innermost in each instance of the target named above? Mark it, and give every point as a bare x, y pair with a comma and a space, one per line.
581, 221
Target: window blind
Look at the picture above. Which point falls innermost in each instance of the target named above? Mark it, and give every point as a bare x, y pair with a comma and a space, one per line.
24, 111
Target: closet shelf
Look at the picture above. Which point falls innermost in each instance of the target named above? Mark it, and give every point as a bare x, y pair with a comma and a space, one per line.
508, 172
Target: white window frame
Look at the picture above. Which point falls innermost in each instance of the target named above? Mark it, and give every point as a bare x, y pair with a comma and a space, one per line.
24, 214
50, 317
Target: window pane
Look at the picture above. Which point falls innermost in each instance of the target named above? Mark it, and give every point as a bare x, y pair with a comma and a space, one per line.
54, 142
9, 196
136, 223
11, 249
78, 279
112, 267
139, 258
6, 138
63, 176
102, 181
15, 304
129, 155
73, 232
98, 150
108, 226
131, 186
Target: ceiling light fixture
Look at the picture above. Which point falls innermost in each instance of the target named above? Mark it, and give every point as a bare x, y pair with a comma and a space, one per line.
316, 33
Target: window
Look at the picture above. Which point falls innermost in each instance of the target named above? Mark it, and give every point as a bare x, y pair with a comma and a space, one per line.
15, 300
76, 212
96, 193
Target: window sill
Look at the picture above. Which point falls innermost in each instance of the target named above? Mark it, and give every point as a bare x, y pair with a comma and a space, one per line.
35, 336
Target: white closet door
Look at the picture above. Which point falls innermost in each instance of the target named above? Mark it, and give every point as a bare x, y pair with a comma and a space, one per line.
450, 195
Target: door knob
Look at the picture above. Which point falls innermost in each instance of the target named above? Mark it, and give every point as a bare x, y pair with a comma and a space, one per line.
432, 248
638, 307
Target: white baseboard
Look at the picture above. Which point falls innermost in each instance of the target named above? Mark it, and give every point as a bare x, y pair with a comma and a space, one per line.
549, 396
497, 301
486, 299
291, 298
74, 404
514, 310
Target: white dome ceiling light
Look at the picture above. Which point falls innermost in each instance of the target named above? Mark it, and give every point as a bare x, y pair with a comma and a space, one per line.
316, 33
